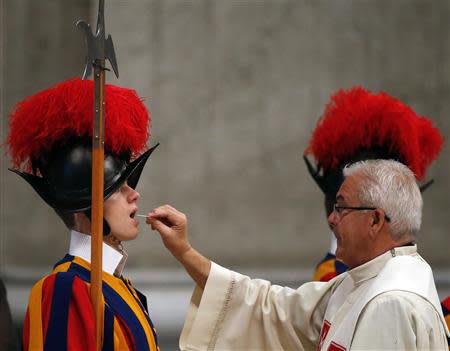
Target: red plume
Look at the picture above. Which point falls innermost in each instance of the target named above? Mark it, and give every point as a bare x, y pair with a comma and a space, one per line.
357, 119
66, 110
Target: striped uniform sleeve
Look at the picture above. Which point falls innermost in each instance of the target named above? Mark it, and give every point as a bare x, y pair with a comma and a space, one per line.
328, 268
59, 315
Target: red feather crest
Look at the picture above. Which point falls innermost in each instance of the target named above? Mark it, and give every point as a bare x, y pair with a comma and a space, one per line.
356, 119
66, 110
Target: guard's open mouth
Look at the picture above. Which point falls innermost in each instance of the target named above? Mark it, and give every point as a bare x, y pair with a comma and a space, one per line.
132, 214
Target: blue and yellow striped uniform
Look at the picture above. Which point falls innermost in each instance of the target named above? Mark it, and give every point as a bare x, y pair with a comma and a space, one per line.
60, 315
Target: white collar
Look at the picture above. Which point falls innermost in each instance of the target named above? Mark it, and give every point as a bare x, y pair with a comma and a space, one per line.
113, 261
371, 268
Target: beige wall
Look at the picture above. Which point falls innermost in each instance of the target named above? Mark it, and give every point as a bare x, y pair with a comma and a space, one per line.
235, 89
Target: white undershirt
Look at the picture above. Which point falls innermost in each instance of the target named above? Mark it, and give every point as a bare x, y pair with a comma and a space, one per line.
113, 262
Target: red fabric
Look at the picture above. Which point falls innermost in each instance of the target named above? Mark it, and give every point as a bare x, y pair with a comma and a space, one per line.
446, 303
327, 277
46, 304
67, 110
357, 118
81, 328
47, 297
80, 335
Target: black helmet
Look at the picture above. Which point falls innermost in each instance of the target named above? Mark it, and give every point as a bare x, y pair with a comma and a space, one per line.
51, 137
65, 181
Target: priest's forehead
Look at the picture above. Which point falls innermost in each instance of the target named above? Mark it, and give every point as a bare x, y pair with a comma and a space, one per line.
349, 190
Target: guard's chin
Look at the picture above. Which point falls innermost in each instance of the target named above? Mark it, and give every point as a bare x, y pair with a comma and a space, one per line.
132, 236
128, 236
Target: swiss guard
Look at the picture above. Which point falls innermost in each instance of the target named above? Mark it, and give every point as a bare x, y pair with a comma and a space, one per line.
359, 125
81, 145
50, 142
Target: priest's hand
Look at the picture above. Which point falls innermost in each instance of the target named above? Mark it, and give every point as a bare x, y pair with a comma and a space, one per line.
172, 226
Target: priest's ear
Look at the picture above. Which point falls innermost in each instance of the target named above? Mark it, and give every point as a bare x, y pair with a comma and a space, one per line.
378, 220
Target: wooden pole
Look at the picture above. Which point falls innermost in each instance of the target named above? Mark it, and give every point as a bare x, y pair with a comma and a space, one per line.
99, 50
97, 203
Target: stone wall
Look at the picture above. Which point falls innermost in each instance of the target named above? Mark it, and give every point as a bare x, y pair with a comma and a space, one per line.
235, 89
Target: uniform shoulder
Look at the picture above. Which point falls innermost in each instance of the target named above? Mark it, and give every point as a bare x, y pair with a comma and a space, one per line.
47, 283
400, 320
399, 299
405, 305
402, 298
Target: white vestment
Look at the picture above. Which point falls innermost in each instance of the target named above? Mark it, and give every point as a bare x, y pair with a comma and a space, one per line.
235, 312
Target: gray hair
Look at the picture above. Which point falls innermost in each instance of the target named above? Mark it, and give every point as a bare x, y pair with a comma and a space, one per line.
391, 186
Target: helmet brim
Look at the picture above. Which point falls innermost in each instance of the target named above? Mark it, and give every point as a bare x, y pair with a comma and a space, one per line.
82, 201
